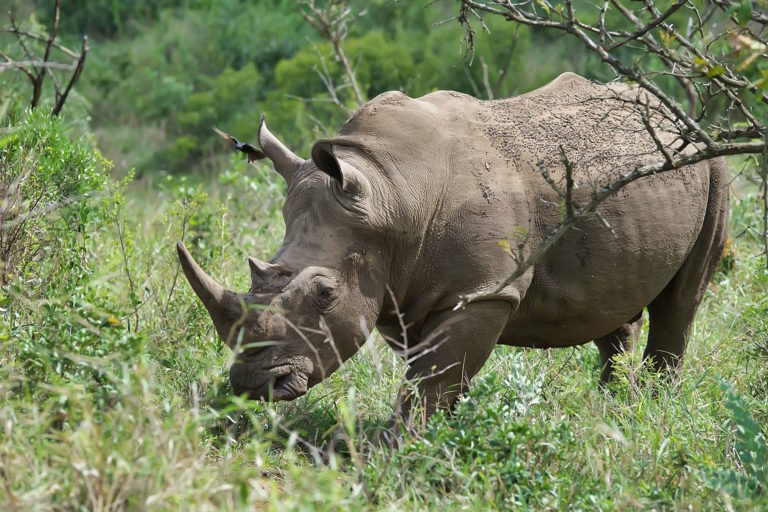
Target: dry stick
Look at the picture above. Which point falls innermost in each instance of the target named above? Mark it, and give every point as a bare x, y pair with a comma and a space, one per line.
134, 297
38, 37
577, 28
37, 82
325, 77
178, 267
22, 64
325, 27
507, 63
15, 30
486, 83
668, 59
350, 74
601, 22
472, 83
646, 118
54, 30
44, 67
765, 199
73, 78
49, 45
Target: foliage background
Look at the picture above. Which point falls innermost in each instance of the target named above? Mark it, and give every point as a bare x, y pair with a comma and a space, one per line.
114, 384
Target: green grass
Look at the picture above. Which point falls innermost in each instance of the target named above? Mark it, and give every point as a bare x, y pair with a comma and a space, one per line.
148, 420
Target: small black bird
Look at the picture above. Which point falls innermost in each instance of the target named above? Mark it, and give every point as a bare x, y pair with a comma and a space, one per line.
252, 151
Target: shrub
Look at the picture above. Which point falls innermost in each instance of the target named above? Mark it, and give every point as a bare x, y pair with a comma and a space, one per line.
56, 193
48, 183
751, 447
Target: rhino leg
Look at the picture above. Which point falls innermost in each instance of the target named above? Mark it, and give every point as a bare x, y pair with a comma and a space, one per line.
459, 344
671, 313
617, 342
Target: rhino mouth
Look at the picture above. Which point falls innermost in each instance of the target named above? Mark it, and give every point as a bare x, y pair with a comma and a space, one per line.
290, 386
279, 383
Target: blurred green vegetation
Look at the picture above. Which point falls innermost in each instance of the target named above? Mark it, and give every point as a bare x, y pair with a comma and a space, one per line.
160, 73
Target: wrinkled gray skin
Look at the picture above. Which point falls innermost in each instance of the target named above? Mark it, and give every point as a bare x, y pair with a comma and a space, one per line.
406, 207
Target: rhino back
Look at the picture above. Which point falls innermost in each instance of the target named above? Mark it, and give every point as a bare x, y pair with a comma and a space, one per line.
468, 173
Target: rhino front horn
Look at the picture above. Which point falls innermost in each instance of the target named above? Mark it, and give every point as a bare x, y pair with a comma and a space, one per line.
284, 160
223, 305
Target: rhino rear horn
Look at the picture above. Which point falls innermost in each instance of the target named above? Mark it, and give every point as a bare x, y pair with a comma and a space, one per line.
223, 305
260, 270
284, 160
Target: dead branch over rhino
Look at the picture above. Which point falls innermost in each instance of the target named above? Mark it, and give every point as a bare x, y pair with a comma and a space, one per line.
403, 210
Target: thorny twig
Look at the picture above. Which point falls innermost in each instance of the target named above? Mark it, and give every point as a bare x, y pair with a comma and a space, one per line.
707, 75
598, 196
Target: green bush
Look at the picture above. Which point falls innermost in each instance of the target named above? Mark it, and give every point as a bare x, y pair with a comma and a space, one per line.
502, 454
751, 447
51, 184
56, 195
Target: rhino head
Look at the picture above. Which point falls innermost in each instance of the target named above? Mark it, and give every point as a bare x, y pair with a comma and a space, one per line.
310, 308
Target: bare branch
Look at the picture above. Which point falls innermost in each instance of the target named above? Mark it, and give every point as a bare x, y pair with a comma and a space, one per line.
650, 26
25, 64
579, 30
54, 30
37, 69
486, 83
507, 63
331, 23
38, 37
765, 199
710, 80
73, 78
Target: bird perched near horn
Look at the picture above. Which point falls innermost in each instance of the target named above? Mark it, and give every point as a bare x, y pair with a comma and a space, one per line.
252, 151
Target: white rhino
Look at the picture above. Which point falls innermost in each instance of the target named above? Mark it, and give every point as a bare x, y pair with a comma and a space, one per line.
404, 210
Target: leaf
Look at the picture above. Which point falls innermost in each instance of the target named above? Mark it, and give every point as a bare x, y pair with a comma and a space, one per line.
716, 70
666, 38
744, 12
544, 6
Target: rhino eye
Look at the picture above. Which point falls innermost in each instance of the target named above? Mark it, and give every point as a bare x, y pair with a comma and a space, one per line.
325, 293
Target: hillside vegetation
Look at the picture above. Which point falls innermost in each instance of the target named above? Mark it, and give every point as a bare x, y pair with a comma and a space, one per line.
114, 384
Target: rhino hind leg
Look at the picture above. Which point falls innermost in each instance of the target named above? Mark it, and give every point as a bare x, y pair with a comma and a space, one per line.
672, 312
615, 343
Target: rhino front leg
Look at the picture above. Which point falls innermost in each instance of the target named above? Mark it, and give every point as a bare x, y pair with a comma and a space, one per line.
459, 343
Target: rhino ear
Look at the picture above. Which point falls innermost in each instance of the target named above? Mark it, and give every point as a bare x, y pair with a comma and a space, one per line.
326, 161
352, 181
